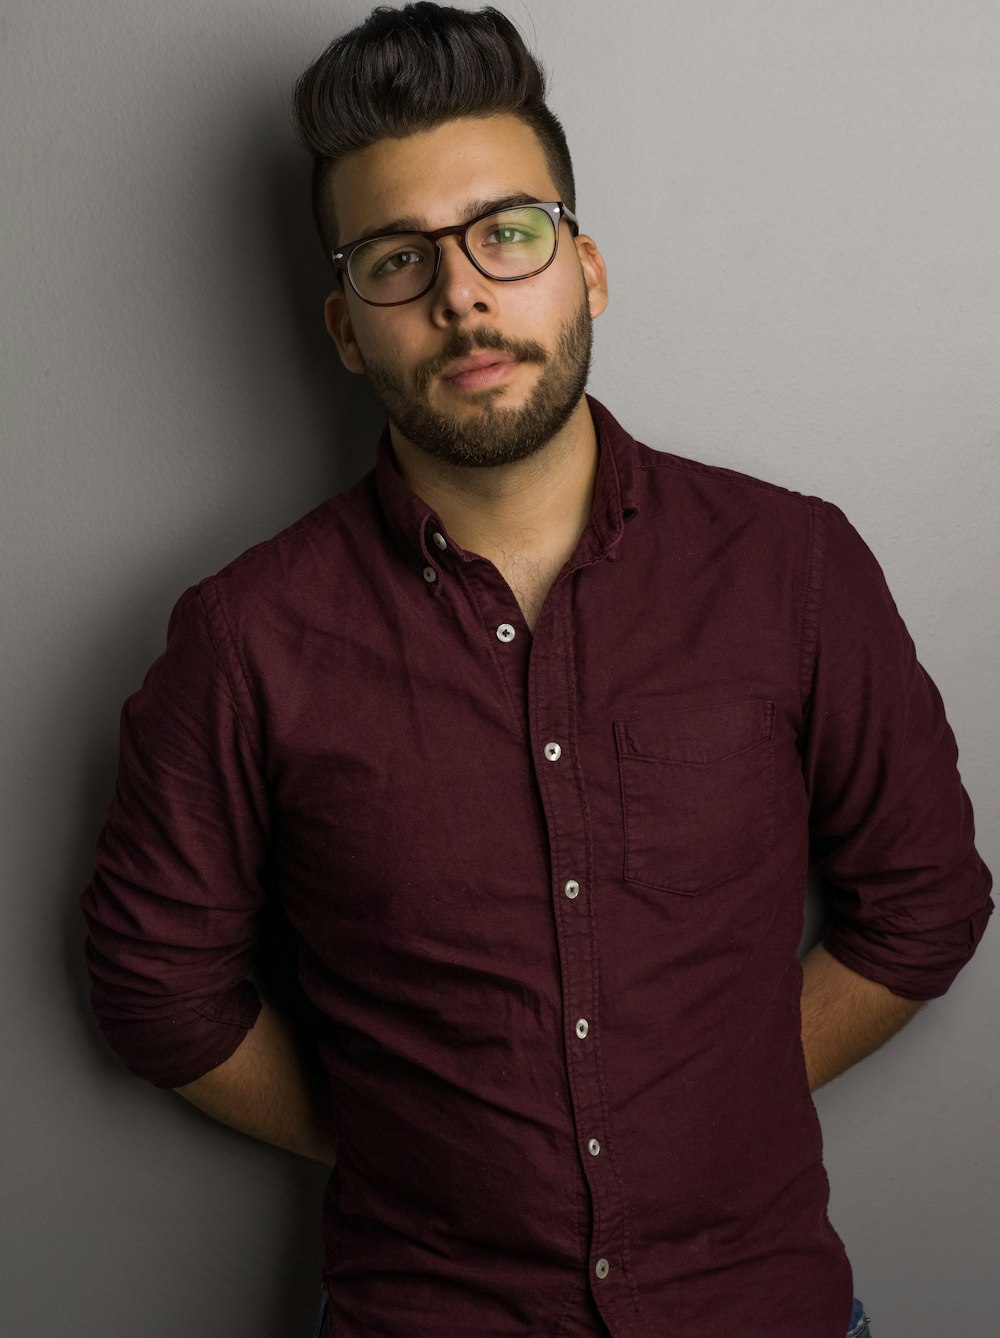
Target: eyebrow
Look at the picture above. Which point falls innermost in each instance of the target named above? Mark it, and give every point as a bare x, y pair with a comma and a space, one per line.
473, 209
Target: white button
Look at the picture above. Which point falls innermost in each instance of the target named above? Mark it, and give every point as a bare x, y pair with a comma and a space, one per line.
572, 889
582, 1027
593, 1147
553, 752
430, 575
505, 632
602, 1268
440, 540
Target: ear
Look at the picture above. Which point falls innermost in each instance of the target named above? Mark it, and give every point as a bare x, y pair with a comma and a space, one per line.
595, 275
341, 328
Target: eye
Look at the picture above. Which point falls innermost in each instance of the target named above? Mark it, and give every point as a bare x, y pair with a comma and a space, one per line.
398, 260
507, 234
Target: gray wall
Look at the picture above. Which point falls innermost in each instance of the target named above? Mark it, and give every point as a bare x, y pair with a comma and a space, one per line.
799, 204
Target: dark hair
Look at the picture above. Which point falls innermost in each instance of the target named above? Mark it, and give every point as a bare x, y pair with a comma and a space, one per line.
407, 70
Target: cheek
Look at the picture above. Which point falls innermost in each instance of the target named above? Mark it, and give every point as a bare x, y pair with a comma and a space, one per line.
563, 294
381, 345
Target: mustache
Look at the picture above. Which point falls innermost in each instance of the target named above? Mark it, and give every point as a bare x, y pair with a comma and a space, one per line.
463, 343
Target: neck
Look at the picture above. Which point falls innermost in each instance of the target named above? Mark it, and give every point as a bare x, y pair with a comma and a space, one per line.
536, 508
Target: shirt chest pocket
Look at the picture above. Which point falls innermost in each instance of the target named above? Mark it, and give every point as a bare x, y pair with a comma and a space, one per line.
697, 793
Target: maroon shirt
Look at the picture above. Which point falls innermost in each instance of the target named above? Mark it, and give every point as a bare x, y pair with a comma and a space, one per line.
546, 889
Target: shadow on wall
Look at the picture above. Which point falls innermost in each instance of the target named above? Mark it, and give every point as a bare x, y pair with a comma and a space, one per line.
336, 423
342, 409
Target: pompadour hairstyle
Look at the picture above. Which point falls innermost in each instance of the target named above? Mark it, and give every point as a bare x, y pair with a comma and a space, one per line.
407, 70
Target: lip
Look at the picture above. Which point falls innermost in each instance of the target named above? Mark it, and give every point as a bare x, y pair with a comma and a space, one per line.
480, 369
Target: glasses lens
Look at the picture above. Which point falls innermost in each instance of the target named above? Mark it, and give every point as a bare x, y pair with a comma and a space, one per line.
513, 243
392, 269
508, 245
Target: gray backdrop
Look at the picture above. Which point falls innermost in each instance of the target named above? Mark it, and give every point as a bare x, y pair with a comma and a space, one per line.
799, 205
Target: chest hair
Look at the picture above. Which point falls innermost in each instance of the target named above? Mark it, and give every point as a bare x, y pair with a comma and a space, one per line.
530, 579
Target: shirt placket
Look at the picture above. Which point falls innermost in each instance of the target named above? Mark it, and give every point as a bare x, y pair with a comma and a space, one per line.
497, 625
553, 696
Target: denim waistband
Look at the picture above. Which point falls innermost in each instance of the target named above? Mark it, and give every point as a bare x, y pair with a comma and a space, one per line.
859, 1322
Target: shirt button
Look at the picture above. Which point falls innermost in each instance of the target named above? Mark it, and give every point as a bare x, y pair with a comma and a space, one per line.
582, 1027
505, 632
440, 540
572, 889
553, 752
430, 575
602, 1268
593, 1147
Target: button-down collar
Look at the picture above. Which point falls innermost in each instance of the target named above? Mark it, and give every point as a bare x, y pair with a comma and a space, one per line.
414, 524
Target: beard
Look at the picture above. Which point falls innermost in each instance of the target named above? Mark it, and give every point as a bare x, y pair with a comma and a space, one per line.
492, 435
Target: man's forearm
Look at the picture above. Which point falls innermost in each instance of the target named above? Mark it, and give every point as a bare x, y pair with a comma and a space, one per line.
263, 1089
844, 1016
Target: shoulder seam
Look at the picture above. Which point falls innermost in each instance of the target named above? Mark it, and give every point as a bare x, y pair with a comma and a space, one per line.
812, 600
654, 459
208, 591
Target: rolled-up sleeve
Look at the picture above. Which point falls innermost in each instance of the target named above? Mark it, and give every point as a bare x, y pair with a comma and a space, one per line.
173, 907
891, 825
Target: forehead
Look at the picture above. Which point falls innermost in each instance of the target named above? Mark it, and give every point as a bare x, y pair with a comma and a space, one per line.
432, 175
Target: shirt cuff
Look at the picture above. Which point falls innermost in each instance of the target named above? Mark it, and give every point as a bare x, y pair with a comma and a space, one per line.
175, 1049
915, 967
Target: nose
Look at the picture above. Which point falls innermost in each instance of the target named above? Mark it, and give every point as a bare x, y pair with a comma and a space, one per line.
460, 290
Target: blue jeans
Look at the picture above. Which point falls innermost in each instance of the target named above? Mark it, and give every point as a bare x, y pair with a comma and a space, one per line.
859, 1322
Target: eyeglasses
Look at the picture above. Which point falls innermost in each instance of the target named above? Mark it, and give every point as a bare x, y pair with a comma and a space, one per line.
505, 245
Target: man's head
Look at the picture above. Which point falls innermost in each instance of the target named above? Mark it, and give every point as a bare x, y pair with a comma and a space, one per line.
421, 119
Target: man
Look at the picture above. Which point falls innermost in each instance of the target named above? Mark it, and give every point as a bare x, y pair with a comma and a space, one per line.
530, 736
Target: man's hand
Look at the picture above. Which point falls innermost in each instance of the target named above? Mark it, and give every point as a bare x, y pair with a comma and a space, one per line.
265, 1090
844, 1016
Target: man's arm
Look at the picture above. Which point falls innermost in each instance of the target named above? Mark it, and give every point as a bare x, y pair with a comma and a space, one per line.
891, 835
844, 1016
266, 1089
